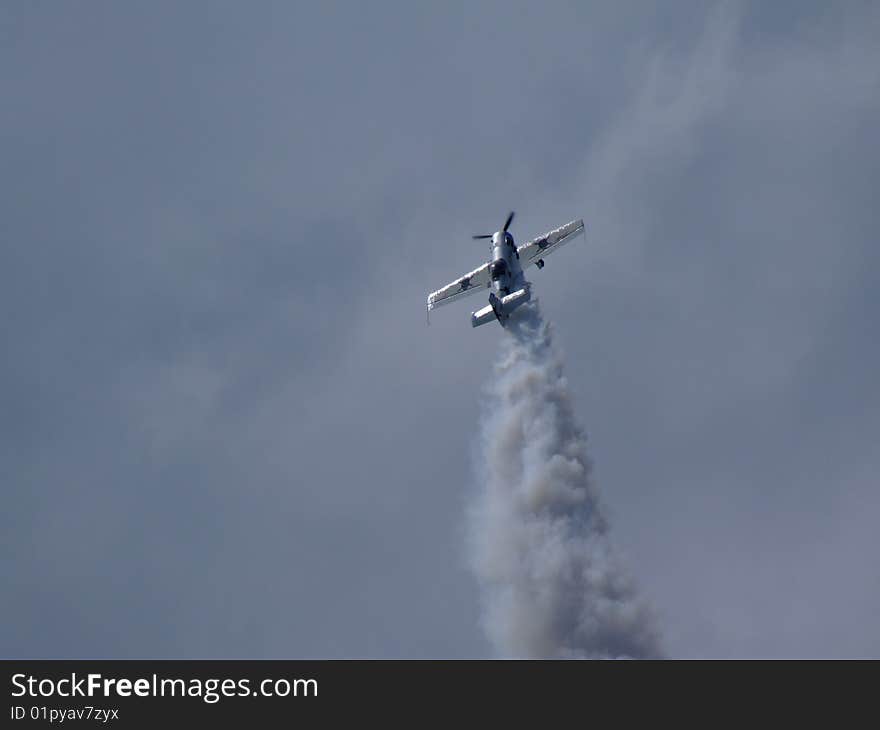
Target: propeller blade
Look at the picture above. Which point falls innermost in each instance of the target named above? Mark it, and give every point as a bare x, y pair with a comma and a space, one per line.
477, 238
508, 222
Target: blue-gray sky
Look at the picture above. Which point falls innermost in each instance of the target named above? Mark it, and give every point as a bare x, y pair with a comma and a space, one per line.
226, 430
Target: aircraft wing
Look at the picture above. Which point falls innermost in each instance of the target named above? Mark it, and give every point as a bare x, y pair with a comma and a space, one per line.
476, 280
547, 243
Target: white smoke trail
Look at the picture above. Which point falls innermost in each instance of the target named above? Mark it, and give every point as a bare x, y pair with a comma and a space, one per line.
550, 584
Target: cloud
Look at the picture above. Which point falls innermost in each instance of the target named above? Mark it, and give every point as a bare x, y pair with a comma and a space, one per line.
226, 430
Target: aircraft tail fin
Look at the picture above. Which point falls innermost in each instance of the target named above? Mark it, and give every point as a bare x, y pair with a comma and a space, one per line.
501, 309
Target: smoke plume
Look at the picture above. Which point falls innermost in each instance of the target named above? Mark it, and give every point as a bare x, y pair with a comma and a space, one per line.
540, 550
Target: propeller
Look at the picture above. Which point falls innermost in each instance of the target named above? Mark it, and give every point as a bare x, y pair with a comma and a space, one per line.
503, 229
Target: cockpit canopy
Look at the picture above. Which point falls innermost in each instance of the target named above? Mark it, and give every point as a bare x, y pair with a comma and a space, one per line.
498, 269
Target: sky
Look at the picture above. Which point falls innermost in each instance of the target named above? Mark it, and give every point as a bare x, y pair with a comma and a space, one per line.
226, 430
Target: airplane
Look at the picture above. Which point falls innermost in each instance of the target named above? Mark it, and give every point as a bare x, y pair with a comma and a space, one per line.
504, 272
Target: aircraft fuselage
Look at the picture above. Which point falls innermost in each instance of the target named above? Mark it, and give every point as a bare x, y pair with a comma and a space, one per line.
510, 288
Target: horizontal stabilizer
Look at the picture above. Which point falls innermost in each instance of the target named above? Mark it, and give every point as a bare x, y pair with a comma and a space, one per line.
501, 309
483, 316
